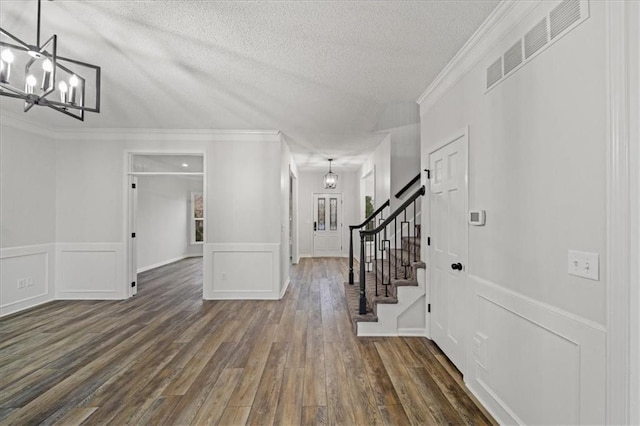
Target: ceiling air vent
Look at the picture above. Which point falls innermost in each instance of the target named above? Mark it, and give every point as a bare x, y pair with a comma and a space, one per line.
563, 16
513, 57
535, 39
494, 73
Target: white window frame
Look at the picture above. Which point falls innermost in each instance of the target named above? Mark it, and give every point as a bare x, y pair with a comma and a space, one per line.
194, 219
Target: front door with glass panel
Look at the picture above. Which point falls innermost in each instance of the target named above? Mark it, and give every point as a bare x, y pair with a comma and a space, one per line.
327, 224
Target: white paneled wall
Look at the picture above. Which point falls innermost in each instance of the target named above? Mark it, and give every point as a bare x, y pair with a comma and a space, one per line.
26, 277
537, 142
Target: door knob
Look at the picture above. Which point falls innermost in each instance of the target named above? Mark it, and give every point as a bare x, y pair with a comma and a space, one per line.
456, 266
315, 226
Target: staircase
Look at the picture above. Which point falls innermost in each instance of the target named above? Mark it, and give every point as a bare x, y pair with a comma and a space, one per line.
394, 279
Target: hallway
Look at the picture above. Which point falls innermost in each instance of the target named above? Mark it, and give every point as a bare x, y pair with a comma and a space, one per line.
168, 357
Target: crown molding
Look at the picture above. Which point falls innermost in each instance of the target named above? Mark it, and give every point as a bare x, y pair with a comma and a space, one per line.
504, 18
194, 135
21, 122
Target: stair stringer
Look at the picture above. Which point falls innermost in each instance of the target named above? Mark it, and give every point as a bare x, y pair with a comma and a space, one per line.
409, 311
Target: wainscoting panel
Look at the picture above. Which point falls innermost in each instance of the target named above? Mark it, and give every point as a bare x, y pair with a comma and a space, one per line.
241, 271
26, 277
535, 364
90, 271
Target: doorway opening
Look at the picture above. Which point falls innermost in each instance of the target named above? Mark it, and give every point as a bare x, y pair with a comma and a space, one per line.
166, 213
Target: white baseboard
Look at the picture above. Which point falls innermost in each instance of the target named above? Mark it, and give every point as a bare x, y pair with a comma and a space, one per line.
166, 262
412, 332
285, 287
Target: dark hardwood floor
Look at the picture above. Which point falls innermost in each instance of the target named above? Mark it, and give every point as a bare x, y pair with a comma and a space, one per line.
168, 357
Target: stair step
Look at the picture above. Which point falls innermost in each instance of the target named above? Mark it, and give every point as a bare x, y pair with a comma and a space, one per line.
352, 292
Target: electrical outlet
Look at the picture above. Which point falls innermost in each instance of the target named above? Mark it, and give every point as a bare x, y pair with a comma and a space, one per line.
22, 283
29, 282
584, 264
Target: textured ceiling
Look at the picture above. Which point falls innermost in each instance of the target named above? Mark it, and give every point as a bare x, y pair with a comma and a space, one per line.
322, 72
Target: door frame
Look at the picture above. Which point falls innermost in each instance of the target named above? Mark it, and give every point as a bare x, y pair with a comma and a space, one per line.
463, 134
128, 208
340, 218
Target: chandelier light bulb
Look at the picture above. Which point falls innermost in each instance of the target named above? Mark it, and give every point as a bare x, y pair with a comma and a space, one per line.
7, 56
47, 65
6, 59
62, 87
73, 90
30, 83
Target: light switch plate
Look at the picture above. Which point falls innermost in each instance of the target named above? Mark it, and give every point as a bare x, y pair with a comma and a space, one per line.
584, 264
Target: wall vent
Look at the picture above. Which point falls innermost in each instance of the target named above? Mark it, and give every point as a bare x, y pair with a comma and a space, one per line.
563, 16
494, 72
557, 19
513, 57
535, 39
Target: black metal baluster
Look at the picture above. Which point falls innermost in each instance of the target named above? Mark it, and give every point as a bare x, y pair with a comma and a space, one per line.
363, 298
351, 255
415, 247
395, 245
375, 259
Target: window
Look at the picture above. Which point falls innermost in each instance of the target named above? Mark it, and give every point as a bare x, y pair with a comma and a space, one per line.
197, 220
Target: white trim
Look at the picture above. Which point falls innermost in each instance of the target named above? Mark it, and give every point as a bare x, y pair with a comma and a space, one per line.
48, 295
481, 42
166, 173
618, 228
209, 275
416, 332
167, 262
114, 293
157, 135
285, 287
585, 335
127, 155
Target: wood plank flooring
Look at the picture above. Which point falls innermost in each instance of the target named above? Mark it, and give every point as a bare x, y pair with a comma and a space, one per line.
168, 357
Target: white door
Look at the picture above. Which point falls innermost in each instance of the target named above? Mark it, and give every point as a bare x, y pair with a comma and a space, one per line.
133, 261
448, 210
327, 225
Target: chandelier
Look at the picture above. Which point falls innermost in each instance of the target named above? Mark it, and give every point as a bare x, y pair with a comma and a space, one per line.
330, 179
37, 75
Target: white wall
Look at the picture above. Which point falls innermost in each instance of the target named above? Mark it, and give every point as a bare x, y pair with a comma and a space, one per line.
537, 150
287, 167
405, 160
164, 228
310, 182
27, 185
27, 215
634, 167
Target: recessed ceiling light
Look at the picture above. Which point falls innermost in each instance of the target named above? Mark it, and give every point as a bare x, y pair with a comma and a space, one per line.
185, 165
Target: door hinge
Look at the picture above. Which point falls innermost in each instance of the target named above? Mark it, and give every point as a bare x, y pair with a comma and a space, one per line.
428, 173
133, 235
429, 307
428, 241
133, 284
133, 186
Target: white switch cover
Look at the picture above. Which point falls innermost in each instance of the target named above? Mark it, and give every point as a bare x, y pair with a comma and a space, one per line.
583, 264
